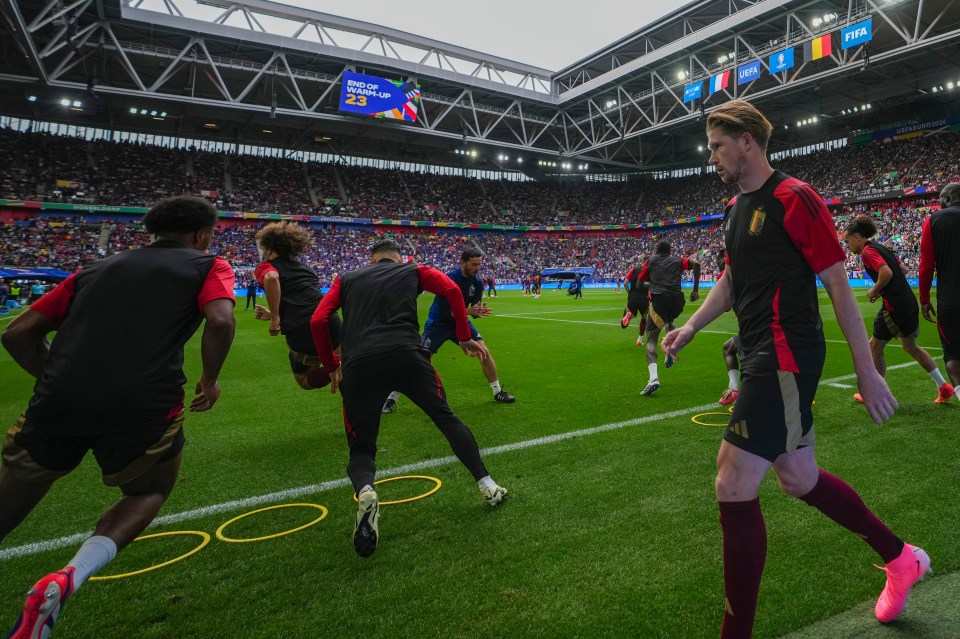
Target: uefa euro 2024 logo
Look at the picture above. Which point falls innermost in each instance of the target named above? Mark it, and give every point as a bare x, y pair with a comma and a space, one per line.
780, 60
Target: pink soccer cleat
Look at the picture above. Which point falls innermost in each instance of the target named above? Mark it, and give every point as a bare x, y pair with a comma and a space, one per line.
625, 321
44, 602
904, 571
858, 397
946, 393
729, 396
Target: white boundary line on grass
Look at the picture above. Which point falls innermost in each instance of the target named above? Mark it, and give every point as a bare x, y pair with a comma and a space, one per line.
69, 540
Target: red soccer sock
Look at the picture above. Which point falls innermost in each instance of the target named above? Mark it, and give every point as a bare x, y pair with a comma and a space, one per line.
837, 500
744, 554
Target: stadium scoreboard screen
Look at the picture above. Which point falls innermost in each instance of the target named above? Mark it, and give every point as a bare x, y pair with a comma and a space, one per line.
379, 97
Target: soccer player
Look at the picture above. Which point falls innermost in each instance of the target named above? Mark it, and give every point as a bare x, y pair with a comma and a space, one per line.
382, 351
620, 285
112, 382
440, 326
292, 289
939, 240
899, 315
779, 236
663, 272
731, 350
251, 294
491, 286
638, 300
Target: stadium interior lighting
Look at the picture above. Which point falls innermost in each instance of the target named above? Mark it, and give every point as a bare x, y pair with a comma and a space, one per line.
816, 22
856, 109
949, 86
209, 125
66, 102
158, 118
799, 123
143, 111
33, 98
520, 160
267, 131
77, 103
611, 103
163, 114
682, 75
722, 59
133, 110
153, 113
700, 148
473, 154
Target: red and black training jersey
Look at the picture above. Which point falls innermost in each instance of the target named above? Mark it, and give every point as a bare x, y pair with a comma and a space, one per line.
634, 285
778, 237
379, 306
663, 272
939, 242
299, 290
897, 294
116, 362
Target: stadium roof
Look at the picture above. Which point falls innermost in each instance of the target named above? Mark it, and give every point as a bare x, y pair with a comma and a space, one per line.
622, 108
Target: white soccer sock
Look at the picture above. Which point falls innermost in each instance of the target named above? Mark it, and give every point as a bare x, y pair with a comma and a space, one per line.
653, 371
395, 395
365, 488
495, 387
95, 553
937, 377
483, 482
734, 378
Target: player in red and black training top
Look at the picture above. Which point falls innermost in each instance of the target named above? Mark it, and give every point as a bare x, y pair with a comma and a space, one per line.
939, 240
638, 300
112, 382
382, 353
663, 272
292, 289
491, 287
779, 237
899, 315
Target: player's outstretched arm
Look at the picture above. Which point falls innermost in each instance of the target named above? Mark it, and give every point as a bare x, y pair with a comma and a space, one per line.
717, 303
877, 397
271, 287
25, 338
218, 329
695, 294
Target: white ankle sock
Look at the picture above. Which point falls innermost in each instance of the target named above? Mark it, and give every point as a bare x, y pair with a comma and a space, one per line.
734, 378
365, 488
483, 482
495, 387
395, 395
95, 553
653, 371
937, 377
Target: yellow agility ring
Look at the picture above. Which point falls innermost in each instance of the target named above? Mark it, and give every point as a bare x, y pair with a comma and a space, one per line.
408, 499
205, 540
222, 537
696, 419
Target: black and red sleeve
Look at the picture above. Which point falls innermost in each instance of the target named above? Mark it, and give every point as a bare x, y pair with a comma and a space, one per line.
433, 281
55, 304
809, 225
218, 284
928, 264
320, 326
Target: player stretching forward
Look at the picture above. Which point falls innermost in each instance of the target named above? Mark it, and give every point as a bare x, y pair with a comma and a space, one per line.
293, 292
899, 315
440, 326
779, 236
939, 240
666, 302
381, 347
731, 350
638, 299
111, 381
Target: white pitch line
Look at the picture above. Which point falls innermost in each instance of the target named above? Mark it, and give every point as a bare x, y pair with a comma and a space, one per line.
63, 542
577, 310
838, 385
554, 319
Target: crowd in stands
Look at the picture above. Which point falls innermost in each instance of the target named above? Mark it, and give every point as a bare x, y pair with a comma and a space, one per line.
45, 167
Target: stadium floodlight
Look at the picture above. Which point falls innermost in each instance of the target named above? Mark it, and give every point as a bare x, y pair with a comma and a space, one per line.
163, 114
814, 119
611, 103
949, 86
722, 59
153, 113
520, 160
799, 123
65, 102
700, 148
816, 22
77, 103
33, 98
934, 89
473, 154
143, 111
133, 110
681, 75
267, 131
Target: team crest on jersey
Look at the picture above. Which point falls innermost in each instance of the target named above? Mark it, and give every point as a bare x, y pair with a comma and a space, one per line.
471, 290
756, 222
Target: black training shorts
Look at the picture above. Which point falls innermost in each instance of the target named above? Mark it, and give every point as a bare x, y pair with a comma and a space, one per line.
948, 325
898, 323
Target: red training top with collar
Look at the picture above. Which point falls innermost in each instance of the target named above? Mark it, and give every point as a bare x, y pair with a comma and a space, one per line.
379, 303
778, 238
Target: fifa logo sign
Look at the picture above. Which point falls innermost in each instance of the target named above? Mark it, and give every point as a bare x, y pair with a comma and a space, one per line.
855, 34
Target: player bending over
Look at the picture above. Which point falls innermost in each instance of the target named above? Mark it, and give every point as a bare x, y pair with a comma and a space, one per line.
638, 300
899, 315
663, 271
112, 382
779, 236
381, 348
292, 289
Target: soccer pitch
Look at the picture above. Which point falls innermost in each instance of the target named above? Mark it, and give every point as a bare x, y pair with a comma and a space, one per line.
611, 529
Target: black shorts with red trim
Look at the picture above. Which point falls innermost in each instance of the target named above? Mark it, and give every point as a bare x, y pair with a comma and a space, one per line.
638, 304
34, 453
665, 308
303, 350
948, 325
773, 414
898, 323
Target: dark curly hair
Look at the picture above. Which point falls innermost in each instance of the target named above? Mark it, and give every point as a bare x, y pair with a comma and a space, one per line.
862, 225
180, 214
286, 239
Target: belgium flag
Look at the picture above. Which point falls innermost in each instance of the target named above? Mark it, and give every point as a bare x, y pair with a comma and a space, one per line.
817, 48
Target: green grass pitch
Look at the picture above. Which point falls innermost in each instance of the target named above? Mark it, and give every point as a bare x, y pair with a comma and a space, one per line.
608, 533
